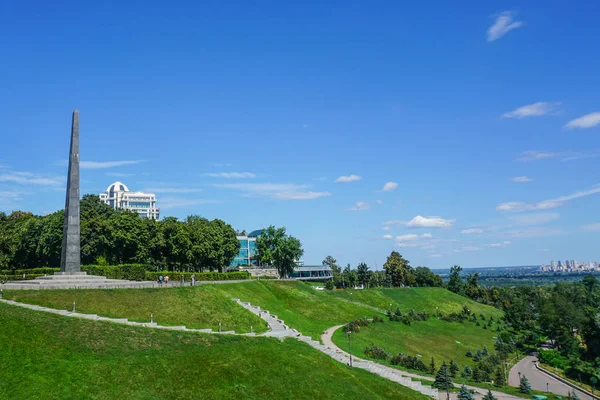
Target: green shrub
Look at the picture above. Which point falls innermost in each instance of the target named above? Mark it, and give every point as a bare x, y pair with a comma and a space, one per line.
19, 277
132, 272
553, 358
40, 271
199, 276
376, 352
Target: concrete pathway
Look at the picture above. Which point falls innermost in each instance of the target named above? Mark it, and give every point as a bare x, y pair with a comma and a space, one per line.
539, 379
376, 367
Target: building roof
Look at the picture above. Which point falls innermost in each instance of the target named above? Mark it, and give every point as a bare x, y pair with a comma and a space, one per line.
255, 233
117, 187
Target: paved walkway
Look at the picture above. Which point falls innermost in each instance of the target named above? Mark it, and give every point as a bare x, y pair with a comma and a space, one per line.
376, 367
539, 379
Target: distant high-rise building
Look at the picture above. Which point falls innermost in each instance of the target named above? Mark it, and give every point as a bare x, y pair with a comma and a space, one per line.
553, 264
559, 264
568, 264
119, 197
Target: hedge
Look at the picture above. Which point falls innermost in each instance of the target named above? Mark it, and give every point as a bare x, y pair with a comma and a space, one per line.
132, 272
200, 276
40, 271
19, 277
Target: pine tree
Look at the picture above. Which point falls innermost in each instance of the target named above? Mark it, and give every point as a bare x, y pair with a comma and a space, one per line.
464, 394
443, 380
453, 368
485, 351
469, 354
524, 386
499, 378
467, 372
573, 395
432, 366
489, 396
477, 375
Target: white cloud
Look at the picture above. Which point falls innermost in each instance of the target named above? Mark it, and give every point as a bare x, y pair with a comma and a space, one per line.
28, 178
500, 244
393, 222
174, 202
360, 206
389, 186
471, 231
348, 178
118, 174
521, 179
504, 23
426, 236
379, 202
532, 110
435, 255
534, 232
429, 222
535, 219
107, 164
282, 191
387, 237
406, 244
470, 248
404, 238
587, 121
299, 195
546, 204
171, 190
231, 175
427, 247
386, 228
592, 227
532, 155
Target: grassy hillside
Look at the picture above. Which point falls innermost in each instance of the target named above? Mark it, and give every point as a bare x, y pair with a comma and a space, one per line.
52, 357
421, 299
198, 307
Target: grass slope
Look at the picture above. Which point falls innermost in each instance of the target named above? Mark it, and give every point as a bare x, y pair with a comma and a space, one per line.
202, 306
52, 357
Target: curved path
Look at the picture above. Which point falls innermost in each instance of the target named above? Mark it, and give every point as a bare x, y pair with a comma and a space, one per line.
326, 338
539, 379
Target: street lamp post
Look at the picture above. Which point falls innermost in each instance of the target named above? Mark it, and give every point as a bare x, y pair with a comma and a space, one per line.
349, 350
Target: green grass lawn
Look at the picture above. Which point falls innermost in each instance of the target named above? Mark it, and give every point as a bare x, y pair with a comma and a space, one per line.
46, 356
202, 306
421, 299
432, 338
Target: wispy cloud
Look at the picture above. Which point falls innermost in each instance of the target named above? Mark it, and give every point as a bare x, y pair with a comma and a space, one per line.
282, 191
470, 248
587, 121
348, 178
521, 179
386, 228
532, 110
28, 178
499, 244
504, 23
105, 164
387, 237
389, 186
379, 202
546, 204
175, 202
118, 174
231, 175
435, 255
591, 227
428, 247
535, 219
393, 222
473, 230
8, 197
534, 155
429, 222
533, 232
360, 206
171, 190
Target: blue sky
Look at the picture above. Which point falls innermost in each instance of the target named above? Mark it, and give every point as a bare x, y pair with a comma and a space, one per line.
482, 121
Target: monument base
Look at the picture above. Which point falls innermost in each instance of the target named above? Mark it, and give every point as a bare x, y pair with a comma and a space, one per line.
75, 280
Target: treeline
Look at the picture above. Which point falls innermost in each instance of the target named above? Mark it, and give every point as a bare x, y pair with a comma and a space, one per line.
397, 272
564, 317
110, 237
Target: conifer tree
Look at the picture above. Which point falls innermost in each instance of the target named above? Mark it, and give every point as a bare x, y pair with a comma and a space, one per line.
467, 372
432, 366
489, 396
499, 379
573, 395
469, 354
443, 380
464, 394
453, 368
524, 386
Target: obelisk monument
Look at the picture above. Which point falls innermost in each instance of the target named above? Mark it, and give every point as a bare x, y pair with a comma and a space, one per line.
70, 254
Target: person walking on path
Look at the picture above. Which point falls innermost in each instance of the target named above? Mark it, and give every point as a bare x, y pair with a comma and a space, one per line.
160, 280
193, 279
167, 279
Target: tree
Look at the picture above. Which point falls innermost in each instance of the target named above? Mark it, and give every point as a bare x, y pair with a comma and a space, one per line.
593, 382
472, 289
276, 248
336, 271
465, 394
524, 385
329, 284
453, 368
467, 372
398, 270
499, 378
455, 284
443, 380
489, 396
363, 273
573, 395
424, 277
432, 366
469, 353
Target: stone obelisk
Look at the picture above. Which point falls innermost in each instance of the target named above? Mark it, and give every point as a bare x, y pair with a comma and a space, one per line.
70, 254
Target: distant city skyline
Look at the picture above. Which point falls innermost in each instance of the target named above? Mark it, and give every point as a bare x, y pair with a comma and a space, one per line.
362, 129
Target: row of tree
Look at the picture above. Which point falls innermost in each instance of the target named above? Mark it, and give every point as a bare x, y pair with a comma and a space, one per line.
112, 237
396, 272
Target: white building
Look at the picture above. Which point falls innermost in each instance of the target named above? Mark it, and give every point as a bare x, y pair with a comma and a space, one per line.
119, 197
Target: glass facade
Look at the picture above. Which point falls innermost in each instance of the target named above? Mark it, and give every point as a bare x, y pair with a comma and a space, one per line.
139, 204
247, 252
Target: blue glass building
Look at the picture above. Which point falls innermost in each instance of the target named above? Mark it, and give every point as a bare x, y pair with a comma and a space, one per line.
247, 253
